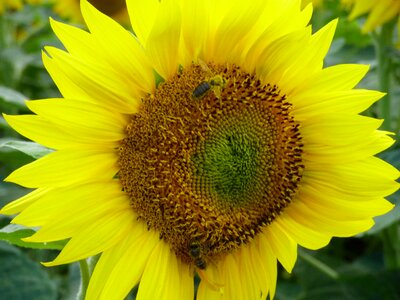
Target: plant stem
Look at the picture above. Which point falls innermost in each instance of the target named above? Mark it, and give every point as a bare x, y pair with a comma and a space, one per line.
85, 276
87, 267
383, 42
319, 265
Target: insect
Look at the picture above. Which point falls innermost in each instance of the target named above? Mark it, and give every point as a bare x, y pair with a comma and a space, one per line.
195, 254
216, 83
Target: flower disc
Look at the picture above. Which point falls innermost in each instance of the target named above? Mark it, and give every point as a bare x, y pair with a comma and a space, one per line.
211, 170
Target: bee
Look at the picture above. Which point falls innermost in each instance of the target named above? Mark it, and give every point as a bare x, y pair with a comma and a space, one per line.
216, 83
195, 254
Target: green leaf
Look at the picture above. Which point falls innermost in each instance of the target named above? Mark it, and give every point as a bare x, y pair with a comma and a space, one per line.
11, 160
29, 148
21, 278
364, 278
9, 192
14, 234
11, 96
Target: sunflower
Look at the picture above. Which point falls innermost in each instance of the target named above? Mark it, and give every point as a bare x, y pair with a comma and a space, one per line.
379, 12
69, 9
211, 143
16, 4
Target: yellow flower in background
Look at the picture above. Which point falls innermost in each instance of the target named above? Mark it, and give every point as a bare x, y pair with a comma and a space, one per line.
245, 150
70, 9
315, 3
379, 12
15, 4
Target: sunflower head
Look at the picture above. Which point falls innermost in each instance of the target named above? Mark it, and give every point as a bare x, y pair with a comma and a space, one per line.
211, 141
378, 12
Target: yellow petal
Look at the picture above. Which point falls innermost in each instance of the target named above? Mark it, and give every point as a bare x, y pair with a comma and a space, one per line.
322, 200
24, 202
128, 258
266, 259
282, 245
164, 277
273, 60
332, 79
195, 23
336, 130
237, 20
308, 59
310, 104
371, 177
41, 131
120, 47
300, 233
322, 154
108, 230
286, 23
248, 273
234, 287
211, 285
143, 16
382, 13
80, 118
76, 41
261, 266
75, 206
66, 167
163, 42
100, 84
329, 226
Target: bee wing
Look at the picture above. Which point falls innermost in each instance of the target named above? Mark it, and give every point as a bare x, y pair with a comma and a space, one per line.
204, 66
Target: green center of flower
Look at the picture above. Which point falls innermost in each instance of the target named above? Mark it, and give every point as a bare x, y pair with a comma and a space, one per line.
226, 165
210, 159
229, 164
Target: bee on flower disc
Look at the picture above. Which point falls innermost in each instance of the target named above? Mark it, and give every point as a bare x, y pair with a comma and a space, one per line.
195, 254
215, 83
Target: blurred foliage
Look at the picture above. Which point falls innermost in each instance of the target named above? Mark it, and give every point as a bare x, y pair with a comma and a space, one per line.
22, 278
365, 267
